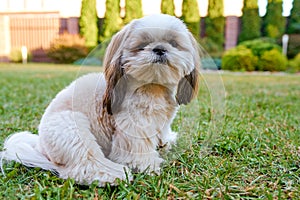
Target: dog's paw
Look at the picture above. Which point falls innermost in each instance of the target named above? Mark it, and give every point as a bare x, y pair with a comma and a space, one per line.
171, 138
147, 165
114, 179
167, 142
87, 172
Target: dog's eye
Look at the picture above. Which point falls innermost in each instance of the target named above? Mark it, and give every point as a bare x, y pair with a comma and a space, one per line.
141, 47
173, 43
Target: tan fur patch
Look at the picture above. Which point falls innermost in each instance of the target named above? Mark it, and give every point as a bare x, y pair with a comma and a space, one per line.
155, 90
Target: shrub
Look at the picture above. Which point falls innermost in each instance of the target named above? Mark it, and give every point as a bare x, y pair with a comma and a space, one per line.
239, 59
294, 21
274, 22
215, 22
260, 54
67, 48
133, 10
259, 46
191, 17
167, 7
272, 60
112, 20
251, 21
294, 64
16, 55
211, 47
88, 22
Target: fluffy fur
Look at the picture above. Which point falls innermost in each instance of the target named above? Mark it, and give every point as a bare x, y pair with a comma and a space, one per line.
103, 125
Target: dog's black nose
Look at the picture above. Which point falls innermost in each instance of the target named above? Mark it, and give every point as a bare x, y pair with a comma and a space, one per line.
159, 50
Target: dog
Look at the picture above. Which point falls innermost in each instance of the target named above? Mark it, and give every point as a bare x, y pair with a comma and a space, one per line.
105, 125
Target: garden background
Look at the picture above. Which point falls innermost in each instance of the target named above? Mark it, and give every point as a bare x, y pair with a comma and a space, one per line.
254, 155
47, 34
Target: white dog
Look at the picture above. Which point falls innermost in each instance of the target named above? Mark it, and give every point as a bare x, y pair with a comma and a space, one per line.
105, 124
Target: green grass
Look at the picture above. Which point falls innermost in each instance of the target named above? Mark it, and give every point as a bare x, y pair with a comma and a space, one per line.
255, 156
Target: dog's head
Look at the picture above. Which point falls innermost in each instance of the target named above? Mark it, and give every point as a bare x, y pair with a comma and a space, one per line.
154, 49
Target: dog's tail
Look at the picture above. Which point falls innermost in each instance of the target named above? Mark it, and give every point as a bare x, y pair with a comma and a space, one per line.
23, 148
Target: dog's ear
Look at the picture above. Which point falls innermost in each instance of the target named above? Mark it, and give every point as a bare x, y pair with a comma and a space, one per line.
188, 86
114, 73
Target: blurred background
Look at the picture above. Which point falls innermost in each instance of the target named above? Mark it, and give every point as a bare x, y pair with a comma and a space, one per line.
239, 35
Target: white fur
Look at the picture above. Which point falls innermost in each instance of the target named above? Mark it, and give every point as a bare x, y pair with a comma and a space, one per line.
27, 145
78, 138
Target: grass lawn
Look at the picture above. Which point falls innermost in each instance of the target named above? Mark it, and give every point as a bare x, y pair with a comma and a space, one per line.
256, 154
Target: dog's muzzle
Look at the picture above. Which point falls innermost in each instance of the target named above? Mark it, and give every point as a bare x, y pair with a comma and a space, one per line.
160, 55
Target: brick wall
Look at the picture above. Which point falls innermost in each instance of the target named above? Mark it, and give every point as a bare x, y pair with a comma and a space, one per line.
231, 31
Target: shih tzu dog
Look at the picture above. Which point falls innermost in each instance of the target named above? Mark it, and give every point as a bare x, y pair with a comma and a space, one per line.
103, 125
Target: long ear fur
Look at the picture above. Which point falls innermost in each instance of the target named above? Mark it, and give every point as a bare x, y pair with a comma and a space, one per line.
114, 74
188, 86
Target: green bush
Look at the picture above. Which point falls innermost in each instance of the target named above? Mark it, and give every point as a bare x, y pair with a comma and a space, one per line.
294, 64
112, 21
294, 19
16, 55
167, 7
272, 60
274, 22
212, 47
191, 17
215, 22
259, 46
133, 10
239, 59
250, 21
88, 22
67, 48
260, 54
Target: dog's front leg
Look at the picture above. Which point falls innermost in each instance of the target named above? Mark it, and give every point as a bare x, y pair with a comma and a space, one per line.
138, 153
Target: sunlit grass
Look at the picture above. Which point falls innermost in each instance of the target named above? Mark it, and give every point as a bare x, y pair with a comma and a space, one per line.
256, 155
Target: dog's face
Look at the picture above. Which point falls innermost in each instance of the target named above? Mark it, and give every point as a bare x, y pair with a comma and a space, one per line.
158, 51
155, 49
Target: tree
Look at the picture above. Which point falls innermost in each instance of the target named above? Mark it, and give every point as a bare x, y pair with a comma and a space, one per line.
191, 17
214, 23
251, 21
294, 21
112, 20
133, 10
274, 22
167, 7
88, 22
